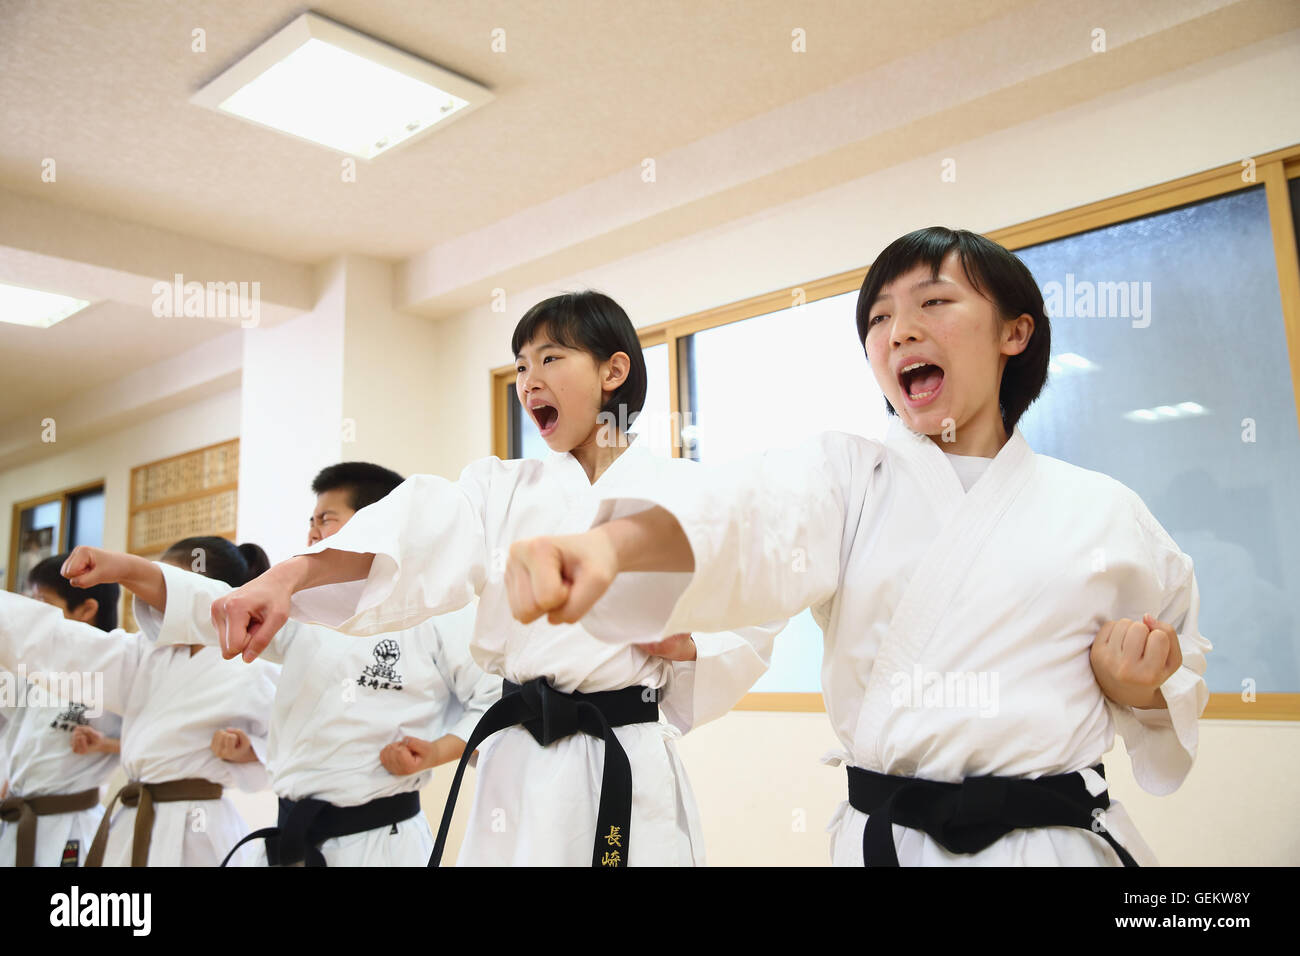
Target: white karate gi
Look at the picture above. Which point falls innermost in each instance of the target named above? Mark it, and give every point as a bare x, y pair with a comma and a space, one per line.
437, 543
171, 704
38, 742
911, 576
337, 705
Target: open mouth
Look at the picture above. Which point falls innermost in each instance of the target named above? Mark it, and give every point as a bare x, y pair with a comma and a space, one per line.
921, 382
546, 416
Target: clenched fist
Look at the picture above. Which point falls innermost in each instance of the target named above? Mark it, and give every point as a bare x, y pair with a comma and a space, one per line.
88, 740
560, 577
407, 756
1131, 659
87, 566
233, 745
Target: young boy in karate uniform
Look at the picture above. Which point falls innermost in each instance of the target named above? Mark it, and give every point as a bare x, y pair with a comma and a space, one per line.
949, 548
60, 755
346, 710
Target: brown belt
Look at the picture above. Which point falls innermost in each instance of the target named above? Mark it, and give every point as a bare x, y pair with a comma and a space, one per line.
25, 810
143, 796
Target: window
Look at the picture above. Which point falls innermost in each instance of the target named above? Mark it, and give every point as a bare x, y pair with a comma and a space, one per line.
1171, 371
50, 525
774, 381
1172, 375
86, 519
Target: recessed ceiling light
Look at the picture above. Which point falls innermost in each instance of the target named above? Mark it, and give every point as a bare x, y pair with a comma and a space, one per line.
331, 85
22, 306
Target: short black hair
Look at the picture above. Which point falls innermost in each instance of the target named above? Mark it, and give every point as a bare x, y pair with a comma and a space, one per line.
595, 323
46, 574
365, 482
998, 275
222, 559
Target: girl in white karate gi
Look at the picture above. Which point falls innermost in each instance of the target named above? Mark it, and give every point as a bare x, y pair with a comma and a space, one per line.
173, 700
992, 617
60, 755
540, 788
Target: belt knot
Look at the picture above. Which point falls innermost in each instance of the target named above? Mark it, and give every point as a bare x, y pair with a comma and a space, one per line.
555, 714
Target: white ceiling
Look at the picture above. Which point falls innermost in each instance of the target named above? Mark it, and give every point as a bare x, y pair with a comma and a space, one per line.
582, 90
542, 182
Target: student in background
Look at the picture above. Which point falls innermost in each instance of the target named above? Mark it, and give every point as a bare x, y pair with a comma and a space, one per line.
172, 700
347, 710
58, 756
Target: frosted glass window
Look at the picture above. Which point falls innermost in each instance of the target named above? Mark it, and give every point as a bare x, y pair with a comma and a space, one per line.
1175, 380
774, 381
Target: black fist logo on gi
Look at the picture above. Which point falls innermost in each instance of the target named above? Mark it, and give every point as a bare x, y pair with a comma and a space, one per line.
74, 715
381, 674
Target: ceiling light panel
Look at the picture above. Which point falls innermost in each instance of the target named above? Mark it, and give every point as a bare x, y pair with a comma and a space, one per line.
328, 84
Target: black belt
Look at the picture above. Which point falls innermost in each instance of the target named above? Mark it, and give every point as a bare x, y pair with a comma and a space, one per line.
966, 817
550, 715
303, 825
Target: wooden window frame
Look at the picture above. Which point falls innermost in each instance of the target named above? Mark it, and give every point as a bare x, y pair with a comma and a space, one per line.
63, 496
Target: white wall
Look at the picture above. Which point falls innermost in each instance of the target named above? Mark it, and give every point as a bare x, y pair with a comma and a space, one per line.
1218, 113
110, 458
390, 392
291, 418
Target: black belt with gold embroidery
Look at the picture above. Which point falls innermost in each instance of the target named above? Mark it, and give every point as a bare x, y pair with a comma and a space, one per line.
303, 825
550, 715
969, 816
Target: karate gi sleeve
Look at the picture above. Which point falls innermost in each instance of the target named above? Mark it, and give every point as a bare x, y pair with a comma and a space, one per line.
1162, 743
725, 668
766, 532
36, 637
474, 689
431, 555
187, 618
257, 694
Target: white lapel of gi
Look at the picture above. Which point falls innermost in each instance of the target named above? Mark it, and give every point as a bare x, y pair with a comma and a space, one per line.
966, 521
173, 673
